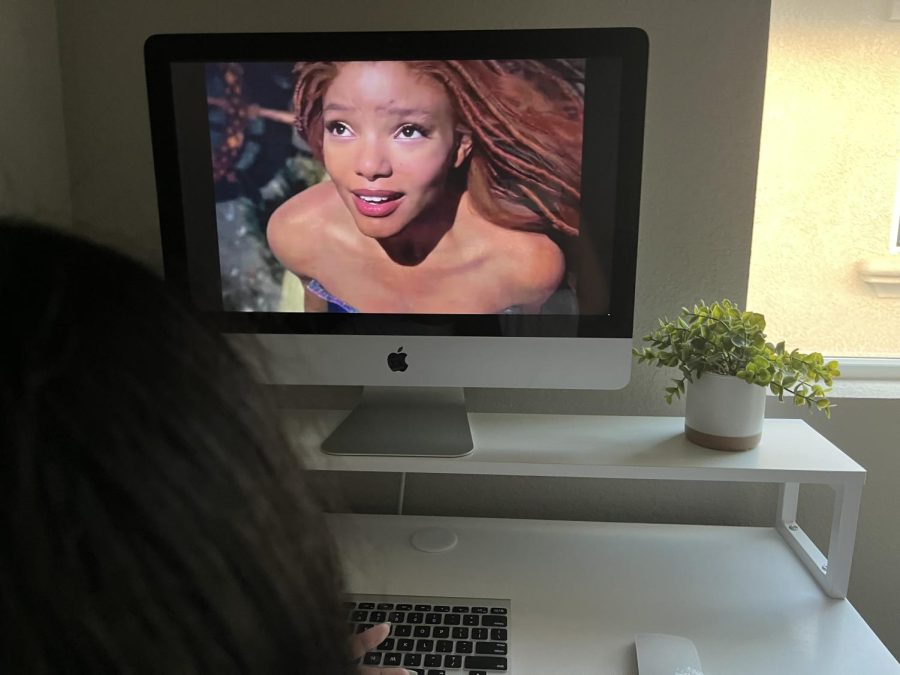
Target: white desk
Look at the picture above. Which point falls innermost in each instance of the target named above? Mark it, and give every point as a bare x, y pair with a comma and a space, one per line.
791, 453
580, 591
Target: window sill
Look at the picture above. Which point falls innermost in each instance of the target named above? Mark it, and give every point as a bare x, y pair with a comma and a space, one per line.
867, 378
882, 274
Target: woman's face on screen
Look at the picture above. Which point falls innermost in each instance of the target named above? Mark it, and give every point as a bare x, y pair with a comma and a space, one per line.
390, 142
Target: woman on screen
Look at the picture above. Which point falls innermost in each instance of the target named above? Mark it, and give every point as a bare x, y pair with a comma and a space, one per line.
455, 185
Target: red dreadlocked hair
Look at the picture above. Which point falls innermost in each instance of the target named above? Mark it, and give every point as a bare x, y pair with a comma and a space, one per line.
525, 118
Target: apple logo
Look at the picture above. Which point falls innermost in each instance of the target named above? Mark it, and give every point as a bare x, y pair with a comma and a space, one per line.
397, 361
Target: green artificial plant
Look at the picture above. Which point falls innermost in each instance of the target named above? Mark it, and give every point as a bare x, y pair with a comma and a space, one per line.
720, 338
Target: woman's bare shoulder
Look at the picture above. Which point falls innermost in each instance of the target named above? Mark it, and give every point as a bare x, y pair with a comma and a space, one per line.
537, 265
306, 209
303, 217
532, 265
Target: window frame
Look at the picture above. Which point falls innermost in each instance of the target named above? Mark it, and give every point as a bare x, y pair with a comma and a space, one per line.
867, 377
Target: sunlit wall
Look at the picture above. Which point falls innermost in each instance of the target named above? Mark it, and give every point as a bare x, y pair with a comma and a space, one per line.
827, 182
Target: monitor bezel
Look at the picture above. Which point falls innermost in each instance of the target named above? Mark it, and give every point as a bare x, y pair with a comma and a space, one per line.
628, 44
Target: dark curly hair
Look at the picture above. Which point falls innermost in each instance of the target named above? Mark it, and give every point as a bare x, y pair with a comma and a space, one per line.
152, 518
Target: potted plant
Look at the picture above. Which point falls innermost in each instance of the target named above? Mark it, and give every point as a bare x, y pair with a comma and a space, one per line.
726, 365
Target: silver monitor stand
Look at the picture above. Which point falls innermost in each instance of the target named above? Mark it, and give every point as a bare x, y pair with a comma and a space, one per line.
406, 422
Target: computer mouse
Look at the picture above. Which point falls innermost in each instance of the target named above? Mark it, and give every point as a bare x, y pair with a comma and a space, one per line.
660, 654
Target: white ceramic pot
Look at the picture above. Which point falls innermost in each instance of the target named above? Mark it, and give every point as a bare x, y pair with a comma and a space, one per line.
724, 412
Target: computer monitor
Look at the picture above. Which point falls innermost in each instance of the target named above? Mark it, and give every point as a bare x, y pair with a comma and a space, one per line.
415, 212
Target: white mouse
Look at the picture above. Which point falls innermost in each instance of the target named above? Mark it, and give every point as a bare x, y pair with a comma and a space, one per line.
659, 654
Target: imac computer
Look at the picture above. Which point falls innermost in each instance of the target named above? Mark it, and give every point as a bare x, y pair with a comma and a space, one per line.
414, 212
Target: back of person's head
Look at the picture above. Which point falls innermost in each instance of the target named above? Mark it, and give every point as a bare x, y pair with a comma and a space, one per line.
152, 518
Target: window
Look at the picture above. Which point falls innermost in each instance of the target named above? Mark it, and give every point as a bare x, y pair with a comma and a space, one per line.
825, 263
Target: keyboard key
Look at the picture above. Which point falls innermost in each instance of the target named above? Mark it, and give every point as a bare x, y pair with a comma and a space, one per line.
366, 605
432, 660
498, 610
387, 645
385, 605
377, 617
486, 663
403, 607
460, 633
432, 618
442, 608
453, 661
422, 631
493, 621
444, 646
372, 659
478, 672
423, 608
479, 610
396, 617
492, 648
480, 633
413, 660
463, 647
441, 632
437, 672
427, 646
498, 634
452, 619
359, 615
402, 631
416, 617
472, 620
460, 610
405, 645
392, 659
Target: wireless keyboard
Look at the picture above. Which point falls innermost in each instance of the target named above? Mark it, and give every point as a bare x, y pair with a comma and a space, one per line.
435, 635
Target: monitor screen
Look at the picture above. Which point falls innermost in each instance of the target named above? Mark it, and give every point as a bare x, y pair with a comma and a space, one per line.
480, 183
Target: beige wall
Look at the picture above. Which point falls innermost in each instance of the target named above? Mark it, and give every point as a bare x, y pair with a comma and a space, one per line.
34, 174
828, 176
707, 76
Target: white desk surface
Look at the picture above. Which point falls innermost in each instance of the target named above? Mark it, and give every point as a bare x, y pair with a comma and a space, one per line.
598, 447
580, 591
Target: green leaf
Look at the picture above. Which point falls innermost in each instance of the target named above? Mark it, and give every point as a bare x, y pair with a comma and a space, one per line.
721, 338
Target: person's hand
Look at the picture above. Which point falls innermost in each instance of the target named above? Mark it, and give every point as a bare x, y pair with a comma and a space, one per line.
360, 643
